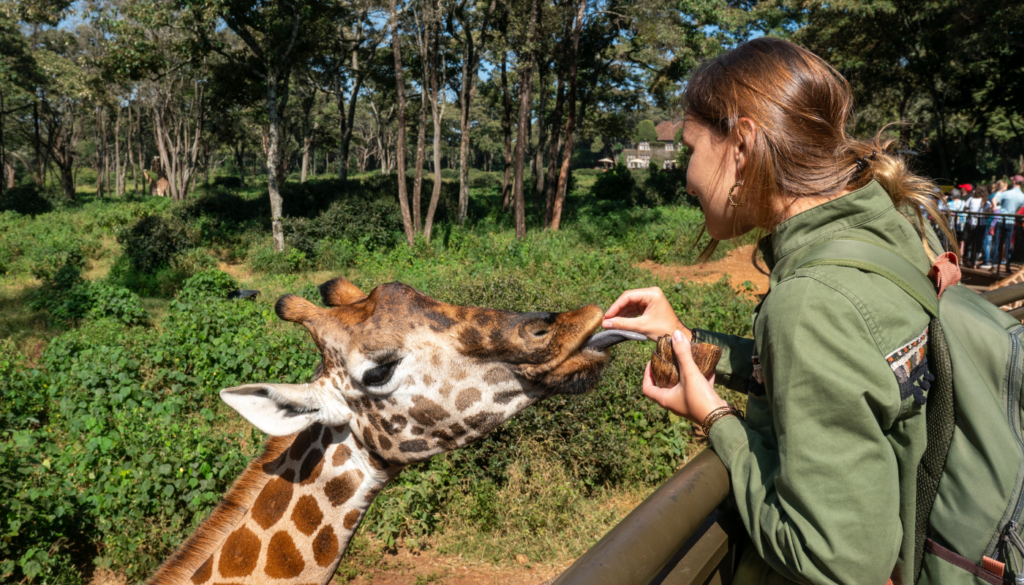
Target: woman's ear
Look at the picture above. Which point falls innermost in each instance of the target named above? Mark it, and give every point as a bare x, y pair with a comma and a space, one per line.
746, 133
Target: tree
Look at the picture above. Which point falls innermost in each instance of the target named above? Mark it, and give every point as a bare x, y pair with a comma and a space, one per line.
271, 46
645, 132
403, 197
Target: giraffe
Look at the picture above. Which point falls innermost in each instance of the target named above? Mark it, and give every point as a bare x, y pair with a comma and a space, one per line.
402, 378
159, 186
1015, 278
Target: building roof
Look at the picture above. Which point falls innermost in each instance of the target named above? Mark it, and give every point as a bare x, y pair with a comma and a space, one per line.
667, 130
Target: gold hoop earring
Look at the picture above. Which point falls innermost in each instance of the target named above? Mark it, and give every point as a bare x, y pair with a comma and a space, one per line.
731, 189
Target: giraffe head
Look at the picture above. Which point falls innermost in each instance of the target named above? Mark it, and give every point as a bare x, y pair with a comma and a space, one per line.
413, 377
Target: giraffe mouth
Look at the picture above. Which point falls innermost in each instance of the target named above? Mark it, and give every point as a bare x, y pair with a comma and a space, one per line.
606, 339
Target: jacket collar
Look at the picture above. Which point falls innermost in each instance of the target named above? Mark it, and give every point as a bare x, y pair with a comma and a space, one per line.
822, 222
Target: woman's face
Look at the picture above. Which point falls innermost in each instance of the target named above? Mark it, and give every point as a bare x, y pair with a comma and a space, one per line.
715, 165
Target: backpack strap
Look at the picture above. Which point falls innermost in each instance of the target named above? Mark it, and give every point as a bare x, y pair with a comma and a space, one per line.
940, 416
879, 260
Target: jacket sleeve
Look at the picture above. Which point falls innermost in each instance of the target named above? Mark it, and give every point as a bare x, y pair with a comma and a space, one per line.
735, 365
822, 504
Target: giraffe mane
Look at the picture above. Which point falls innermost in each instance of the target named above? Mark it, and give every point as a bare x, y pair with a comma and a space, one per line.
228, 513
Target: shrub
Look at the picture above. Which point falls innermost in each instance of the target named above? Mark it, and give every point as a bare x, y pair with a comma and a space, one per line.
193, 261
664, 187
64, 295
28, 200
617, 184
210, 284
372, 226
115, 302
231, 182
153, 241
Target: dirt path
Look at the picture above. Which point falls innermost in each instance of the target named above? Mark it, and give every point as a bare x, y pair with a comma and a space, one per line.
736, 265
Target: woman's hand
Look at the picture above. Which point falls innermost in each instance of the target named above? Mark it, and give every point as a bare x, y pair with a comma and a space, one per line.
646, 311
694, 397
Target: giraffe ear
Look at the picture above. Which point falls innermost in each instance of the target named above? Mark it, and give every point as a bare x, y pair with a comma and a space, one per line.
339, 291
281, 409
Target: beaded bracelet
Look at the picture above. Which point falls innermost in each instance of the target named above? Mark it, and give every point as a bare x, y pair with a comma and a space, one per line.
716, 414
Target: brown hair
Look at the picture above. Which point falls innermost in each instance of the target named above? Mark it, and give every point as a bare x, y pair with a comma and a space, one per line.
801, 107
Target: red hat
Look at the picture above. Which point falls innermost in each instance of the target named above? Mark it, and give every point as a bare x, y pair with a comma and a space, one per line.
966, 187
1017, 179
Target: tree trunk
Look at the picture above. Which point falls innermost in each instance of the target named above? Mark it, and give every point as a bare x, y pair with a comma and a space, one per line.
525, 87
273, 145
437, 107
403, 188
506, 127
100, 144
421, 149
542, 134
470, 66
554, 161
570, 123
118, 167
131, 154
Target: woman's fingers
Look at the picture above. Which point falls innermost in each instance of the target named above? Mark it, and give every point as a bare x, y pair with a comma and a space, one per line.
684, 356
629, 304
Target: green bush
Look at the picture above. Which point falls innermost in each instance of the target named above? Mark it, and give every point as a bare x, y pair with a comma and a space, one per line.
617, 184
63, 295
209, 284
117, 303
28, 200
153, 241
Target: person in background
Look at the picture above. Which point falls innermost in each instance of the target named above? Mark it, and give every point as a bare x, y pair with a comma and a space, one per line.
975, 226
990, 223
957, 204
1007, 202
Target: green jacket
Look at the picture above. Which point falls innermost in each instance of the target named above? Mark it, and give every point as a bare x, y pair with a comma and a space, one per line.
823, 467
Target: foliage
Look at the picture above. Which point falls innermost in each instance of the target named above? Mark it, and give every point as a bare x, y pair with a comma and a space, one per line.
153, 241
645, 132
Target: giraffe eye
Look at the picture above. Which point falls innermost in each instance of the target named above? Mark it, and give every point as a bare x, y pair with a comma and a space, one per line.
380, 375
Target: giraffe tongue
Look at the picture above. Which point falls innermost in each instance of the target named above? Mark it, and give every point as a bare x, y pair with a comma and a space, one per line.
606, 339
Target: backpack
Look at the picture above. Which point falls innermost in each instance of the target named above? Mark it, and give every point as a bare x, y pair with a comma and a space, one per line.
970, 481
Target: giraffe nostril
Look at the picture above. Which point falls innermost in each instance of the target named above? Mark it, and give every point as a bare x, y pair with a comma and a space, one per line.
540, 333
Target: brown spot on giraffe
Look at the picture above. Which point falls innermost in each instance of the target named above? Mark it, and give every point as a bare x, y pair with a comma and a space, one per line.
204, 572
467, 398
445, 390
417, 430
506, 396
498, 375
325, 546
302, 443
457, 430
273, 501
384, 442
240, 553
413, 446
284, 561
426, 411
368, 438
351, 518
311, 467
307, 515
341, 489
377, 462
327, 438
341, 455
483, 422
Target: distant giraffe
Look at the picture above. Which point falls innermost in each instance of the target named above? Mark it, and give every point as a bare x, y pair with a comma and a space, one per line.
402, 378
159, 186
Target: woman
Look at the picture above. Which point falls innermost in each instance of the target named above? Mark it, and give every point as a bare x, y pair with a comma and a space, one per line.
825, 457
989, 206
975, 226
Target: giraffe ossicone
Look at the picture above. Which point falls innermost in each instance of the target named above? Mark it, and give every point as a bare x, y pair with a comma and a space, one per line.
402, 378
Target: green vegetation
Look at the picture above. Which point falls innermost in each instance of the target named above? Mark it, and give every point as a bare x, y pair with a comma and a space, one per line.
114, 444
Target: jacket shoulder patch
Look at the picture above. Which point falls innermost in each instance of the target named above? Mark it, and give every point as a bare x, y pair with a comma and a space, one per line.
910, 364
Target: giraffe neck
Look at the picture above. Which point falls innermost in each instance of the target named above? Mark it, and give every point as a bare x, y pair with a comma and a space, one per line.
289, 518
